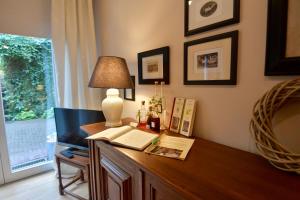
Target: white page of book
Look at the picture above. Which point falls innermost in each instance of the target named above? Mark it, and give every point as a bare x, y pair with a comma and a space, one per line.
110, 133
136, 139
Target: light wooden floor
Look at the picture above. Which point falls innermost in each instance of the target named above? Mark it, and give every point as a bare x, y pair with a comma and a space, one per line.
40, 187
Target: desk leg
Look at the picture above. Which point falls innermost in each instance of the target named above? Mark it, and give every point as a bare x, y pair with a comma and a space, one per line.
60, 187
89, 182
81, 175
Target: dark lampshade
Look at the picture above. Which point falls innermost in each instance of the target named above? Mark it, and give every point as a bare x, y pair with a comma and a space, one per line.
111, 72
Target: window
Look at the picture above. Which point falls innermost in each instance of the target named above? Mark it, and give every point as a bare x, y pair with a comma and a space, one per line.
28, 97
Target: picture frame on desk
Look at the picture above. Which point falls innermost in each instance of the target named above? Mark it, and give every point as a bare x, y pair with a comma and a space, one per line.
283, 41
176, 115
153, 66
129, 94
204, 15
211, 60
188, 116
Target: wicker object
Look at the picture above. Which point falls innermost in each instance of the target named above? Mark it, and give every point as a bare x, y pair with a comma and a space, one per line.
262, 130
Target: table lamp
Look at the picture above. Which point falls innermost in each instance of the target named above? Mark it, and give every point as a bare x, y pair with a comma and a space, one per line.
111, 72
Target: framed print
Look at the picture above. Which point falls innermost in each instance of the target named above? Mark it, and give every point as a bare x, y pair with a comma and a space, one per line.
153, 66
158, 108
211, 60
205, 15
283, 38
129, 94
188, 116
176, 115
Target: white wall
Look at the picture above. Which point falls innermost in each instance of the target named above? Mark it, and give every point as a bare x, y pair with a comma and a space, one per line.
25, 17
125, 28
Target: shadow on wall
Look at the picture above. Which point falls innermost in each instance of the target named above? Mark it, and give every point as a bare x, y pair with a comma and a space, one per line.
286, 126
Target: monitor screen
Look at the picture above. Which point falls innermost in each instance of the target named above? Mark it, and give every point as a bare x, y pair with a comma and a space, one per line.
68, 122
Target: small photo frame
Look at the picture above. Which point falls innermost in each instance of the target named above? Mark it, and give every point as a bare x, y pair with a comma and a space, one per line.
129, 94
176, 116
211, 60
158, 108
153, 66
205, 15
188, 117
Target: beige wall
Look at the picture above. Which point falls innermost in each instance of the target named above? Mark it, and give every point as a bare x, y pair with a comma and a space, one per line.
25, 17
126, 27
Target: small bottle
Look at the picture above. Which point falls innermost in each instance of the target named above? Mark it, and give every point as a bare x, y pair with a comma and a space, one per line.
148, 124
143, 114
155, 122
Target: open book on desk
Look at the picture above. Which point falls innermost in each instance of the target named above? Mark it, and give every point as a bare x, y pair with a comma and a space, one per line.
126, 136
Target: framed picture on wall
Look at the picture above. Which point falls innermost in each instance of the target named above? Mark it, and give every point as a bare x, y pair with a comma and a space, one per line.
153, 66
129, 94
205, 15
211, 60
283, 38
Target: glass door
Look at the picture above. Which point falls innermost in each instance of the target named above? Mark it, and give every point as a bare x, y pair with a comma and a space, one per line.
1, 173
27, 135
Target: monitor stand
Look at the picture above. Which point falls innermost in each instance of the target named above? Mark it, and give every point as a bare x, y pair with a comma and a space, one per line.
70, 152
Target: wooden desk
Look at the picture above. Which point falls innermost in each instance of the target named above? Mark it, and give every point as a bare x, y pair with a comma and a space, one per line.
210, 171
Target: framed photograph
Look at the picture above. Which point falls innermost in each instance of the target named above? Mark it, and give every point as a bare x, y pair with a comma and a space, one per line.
153, 66
205, 15
211, 60
283, 41
176, 115
188, 117
158, 108
129, 94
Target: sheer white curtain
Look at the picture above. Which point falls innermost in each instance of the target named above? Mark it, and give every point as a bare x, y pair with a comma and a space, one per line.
74, 45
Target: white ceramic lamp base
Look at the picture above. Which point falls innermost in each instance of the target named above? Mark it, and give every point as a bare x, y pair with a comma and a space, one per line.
112, 107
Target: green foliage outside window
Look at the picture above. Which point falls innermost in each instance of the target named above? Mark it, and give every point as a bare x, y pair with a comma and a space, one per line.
26, 77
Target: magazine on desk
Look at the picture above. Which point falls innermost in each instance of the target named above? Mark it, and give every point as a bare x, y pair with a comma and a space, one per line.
172, 147
126, 136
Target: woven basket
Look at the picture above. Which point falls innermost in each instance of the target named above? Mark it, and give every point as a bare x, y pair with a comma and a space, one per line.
261, 125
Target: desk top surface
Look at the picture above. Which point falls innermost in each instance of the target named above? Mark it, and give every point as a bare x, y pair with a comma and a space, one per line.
213, 171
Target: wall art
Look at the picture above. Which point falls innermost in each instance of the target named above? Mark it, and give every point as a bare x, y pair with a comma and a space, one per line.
211, 60
283, 38
129, 94
153, 66
205, 15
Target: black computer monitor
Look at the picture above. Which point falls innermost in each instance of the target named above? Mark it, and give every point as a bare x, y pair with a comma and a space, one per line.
68, 122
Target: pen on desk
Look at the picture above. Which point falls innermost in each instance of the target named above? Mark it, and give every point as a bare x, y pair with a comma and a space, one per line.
155, 141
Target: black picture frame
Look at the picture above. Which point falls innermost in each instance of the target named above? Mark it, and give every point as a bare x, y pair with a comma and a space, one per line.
165, 51
235, 19
132, 90
233, 59
277, 64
